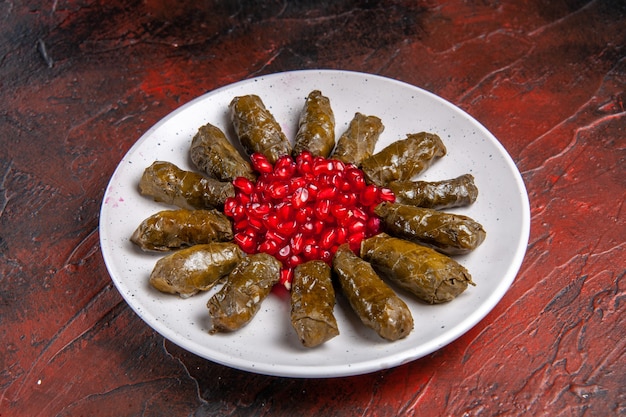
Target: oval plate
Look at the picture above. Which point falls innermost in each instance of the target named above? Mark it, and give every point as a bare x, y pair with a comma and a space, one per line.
268, 345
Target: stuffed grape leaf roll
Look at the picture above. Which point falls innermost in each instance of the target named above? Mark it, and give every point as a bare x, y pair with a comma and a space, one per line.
403, 159
166, 183
312, 303
173, 229
359, 140
257, 129
316, 126
431, 276
238, 301
456, 192
376, 304
449, 233
213, 154
196, 268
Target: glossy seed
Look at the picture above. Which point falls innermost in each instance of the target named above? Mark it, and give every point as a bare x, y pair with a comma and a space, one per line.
310, 252
284, 211
245, 242
244, 185
386, 194
286, 276
278, 190
356, 226
261, 164
297, 243
368, 197
287, 228
269, 246
328, 238
300, 197
303, 215
322, 209
327, 193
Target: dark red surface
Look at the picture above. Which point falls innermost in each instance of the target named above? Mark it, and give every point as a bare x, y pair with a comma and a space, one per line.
81, 81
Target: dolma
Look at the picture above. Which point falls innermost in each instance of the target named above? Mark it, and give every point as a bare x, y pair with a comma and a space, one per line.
376, 304
238, 301
456, 192
431, 276
359, 140
312, 303
403, 159
449, 233
173, 229
196, 268
212, 153
166, 183
257, 129
316, 126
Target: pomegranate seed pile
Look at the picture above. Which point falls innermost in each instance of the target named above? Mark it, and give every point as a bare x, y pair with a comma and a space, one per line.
303, 209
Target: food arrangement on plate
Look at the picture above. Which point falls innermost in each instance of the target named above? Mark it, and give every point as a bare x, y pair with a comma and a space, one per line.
318, 215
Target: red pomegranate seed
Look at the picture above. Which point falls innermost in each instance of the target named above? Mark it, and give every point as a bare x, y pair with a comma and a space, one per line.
284, 167
322, 209
297, 243
250, 232
313, 190
297, 182
286, 275
269, 247
275, 236
328, 238
322, 166
354, 240
341, 213
271, 221
387, 195
229, 206
245, 242
259, 209
304, 165
369, 195
283, 253
318, 226
244, 185
360, 214
326, 256
356, 226
238, 212
338, 165
310, 252
304, 214
243, 199
303, 209
278, 190
284, 211
300, 197
340, 183
347, 199
373, 224
293, 261
327, 193
356, 179
307, 228
287, 228
342, 233
261, 164
255, 223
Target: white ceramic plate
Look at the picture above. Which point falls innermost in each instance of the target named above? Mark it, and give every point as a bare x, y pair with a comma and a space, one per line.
268, 345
